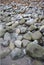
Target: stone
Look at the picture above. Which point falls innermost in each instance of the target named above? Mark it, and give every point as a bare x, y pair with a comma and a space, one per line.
42, 29
2, 31
27, 36
7, 36
22, 21
1, 40
18, 31
32, 27
5, 43
36, 35
35, 51
18, 43
23, 29
31, 21
25, 42
14, 35
11, 45
15, 24
20, 37
16, 53
4, 53
35, 62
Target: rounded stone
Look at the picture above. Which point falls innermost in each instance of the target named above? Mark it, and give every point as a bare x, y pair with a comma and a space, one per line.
23, 29
16, 53
18, 43
22, 21
36, 35
7, 36
17, 30
27, 36
25, 42
5, 43
2, 31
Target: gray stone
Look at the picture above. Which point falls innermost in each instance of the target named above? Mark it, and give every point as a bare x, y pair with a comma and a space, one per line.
20, 37
25, 42
23, 29
16, 53
27, 36
18, 43
36, 35
32, 27
42, 28
4, 53
7, 36
35, 51
35, 62
2, 31
5, 43
31, 21
22, 21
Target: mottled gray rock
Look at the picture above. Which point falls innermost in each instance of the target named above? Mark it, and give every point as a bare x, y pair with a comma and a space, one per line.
32, 27
23, 29
35, 51
20, 37
27, 36
31, 21
2, 31
7, 36
22, 21
5, 43
36, 35
16, 53
4, 53
35, 62
25, 42
18, 43
42, 28
14, 35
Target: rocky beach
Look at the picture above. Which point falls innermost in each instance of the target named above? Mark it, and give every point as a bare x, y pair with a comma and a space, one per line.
22, 33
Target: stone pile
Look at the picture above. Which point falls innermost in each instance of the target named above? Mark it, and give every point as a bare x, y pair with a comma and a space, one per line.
22, 32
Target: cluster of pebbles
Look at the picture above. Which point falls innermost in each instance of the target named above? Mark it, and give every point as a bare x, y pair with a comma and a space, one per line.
22, 32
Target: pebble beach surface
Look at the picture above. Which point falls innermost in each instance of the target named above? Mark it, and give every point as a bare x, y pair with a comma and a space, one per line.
21, 34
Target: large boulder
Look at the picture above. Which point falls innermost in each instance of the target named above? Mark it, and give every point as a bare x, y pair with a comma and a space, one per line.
35, 51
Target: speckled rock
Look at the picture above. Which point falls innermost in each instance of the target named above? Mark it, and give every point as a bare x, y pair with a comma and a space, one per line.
27, 36
18, 43
35, 51
4, 53
22, 21
7, 36
36, 35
